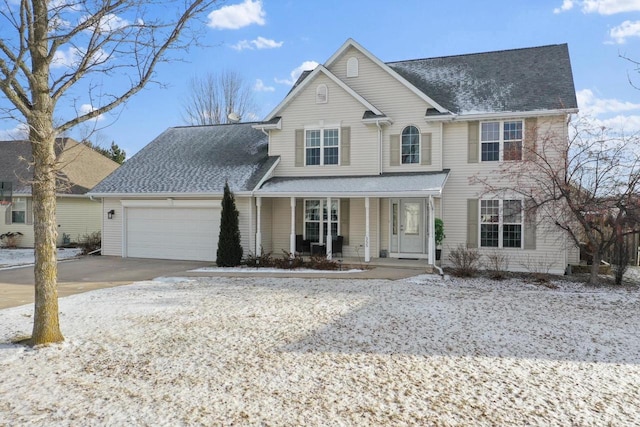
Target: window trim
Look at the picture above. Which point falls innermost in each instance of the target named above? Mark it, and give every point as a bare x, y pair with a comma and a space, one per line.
322, 231
14, 203
501, 140
501, 223
322, 146
419, 158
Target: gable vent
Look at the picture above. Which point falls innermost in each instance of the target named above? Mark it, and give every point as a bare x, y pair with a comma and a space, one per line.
322, 94
352, 67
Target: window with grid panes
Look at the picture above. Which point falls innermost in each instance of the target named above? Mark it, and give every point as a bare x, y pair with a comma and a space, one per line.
322, 147
410, 145
501, 140
501, 223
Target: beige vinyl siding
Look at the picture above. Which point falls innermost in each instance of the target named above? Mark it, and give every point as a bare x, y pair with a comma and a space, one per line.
281, 224
75, 216
78, 217
266, 216
357, 228
342, 110
247, 232
395, 100
112, 228
385, 222
26, 241
551, 246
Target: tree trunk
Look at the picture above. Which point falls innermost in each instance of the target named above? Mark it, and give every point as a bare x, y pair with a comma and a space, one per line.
46, 326
595, 268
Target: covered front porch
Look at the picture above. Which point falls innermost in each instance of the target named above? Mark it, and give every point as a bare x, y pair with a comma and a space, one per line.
359, 218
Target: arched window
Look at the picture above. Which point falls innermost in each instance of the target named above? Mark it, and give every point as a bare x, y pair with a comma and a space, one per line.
322, 94
410, 145
352, 67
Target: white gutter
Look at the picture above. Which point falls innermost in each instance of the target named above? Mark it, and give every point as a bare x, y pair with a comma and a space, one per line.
169, 195
500, 115
437, 192
379, 147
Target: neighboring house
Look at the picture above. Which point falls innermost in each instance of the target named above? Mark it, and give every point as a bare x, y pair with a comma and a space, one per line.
366, 150
79, 169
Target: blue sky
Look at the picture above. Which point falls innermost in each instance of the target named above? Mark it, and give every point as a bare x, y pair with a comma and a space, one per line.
270, 41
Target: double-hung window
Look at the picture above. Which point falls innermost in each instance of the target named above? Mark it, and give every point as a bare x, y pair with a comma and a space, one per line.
501, 223
501, 140
19, 211
322, 147
315, 224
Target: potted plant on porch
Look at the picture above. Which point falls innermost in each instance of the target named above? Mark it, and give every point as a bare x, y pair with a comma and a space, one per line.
439, 235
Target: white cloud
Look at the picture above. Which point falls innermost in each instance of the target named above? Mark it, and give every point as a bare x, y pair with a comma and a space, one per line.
238, 15
607, 112
566, 5
306, 65
610, 7
622, 123
601, 7
591, 105
259, 43
627, 29
86, 109
21, 131
261, 87
108, 23
72, 57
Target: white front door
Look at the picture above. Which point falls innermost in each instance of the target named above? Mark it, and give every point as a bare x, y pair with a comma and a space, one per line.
411, 226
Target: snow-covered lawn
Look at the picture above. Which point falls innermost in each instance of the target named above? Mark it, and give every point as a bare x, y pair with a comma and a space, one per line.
255, 351
18, 257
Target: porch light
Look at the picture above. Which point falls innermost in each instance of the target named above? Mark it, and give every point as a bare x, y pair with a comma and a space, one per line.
111, 213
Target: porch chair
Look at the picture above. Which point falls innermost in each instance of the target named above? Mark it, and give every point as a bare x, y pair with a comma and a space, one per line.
302, 245
336, 245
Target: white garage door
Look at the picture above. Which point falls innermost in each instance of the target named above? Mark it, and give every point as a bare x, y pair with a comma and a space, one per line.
173, 233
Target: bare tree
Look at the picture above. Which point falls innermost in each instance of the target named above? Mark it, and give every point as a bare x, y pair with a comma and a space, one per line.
63, 50
213, 97
585, 182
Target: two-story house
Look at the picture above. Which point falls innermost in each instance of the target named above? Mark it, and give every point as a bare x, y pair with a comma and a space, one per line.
369, 151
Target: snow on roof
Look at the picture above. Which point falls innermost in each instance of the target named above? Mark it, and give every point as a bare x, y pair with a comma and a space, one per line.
194, 159
530, 79
419, 184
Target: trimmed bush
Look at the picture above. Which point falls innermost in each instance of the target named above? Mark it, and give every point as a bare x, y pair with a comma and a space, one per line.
229, 248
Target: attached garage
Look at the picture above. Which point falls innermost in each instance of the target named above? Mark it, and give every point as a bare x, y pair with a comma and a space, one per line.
184, 230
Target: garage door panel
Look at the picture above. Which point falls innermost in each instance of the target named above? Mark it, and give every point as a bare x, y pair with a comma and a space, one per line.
173, 233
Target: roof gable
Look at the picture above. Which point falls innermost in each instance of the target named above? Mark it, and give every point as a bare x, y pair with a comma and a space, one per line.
80, 167
194, 160
308, 78
350, 43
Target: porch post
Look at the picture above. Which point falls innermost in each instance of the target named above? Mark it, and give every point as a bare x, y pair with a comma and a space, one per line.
258, 226
432, 233
292, 237
329, 238
367, 234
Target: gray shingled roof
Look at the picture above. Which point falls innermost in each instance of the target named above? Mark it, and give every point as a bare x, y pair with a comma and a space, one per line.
537, 78
401, 183
194, 159
80, 167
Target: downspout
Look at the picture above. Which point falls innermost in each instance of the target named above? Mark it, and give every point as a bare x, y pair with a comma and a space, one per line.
379, 147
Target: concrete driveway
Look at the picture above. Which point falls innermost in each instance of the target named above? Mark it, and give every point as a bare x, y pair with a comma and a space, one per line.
89, 273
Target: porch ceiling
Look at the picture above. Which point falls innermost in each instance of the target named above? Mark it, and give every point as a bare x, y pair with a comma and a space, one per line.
386, 185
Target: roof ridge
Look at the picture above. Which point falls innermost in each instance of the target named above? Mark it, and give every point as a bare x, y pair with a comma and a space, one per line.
216, 125
478, 53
